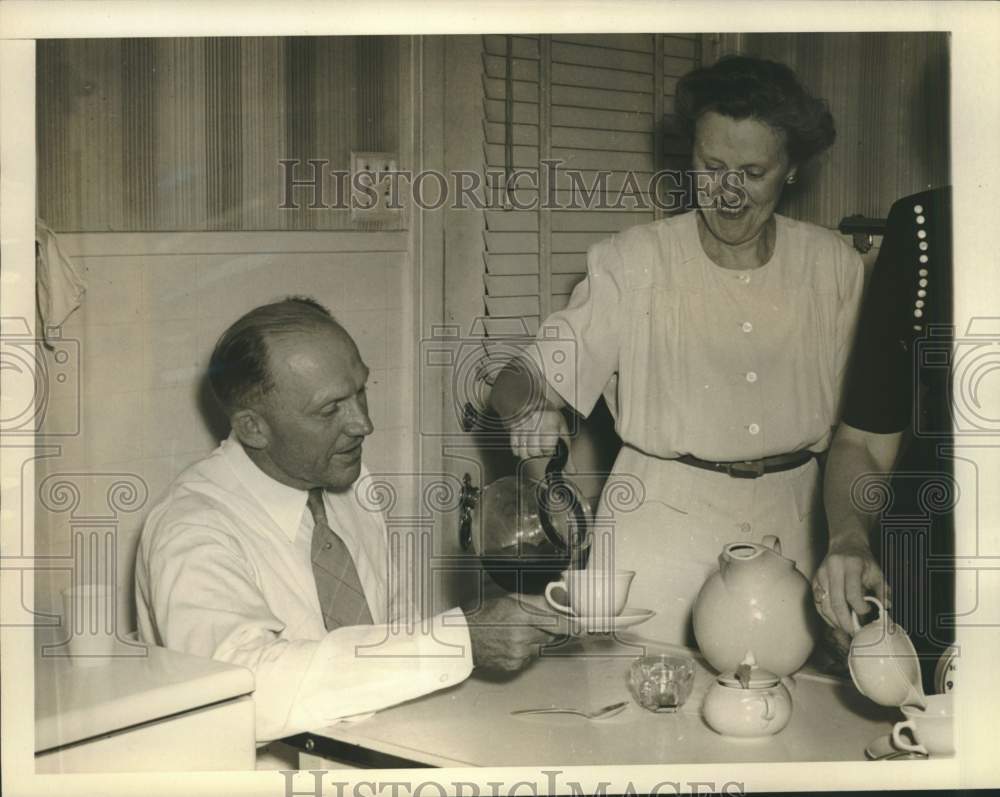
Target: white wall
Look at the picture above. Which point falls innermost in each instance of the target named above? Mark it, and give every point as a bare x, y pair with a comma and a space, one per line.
154, 307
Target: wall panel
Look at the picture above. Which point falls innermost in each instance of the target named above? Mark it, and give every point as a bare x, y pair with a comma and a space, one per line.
160, 135
154, 307
889, 96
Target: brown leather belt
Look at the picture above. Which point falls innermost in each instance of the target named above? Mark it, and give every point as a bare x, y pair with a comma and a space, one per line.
752, 468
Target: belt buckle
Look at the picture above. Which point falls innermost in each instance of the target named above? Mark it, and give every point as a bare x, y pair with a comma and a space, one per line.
748, 469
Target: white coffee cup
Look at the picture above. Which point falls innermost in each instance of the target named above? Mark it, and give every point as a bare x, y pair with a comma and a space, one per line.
931, 727
89, 617
592, 593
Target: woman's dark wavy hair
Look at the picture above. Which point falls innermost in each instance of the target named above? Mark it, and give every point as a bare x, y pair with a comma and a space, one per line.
742, 87
239, 370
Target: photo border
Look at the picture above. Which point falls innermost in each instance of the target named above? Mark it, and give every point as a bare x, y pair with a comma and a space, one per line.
975, 54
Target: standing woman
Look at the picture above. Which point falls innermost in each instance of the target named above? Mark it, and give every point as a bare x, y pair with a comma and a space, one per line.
719, 339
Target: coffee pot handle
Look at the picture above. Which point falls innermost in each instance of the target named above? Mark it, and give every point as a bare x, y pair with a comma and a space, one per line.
855, 624
771, 541
555, 485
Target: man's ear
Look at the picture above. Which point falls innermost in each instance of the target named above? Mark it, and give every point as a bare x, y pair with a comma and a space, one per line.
251, 428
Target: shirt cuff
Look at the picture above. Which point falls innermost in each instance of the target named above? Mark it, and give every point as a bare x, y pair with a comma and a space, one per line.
357, 670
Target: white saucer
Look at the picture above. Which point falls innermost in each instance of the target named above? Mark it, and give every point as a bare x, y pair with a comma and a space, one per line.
883, 746
605, 625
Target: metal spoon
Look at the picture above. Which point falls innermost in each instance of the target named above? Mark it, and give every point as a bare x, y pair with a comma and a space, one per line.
601, 713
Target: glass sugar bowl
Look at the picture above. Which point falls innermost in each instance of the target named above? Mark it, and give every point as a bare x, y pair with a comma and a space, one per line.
661, 683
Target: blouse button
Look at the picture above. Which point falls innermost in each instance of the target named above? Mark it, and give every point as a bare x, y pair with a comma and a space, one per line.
923, 245
917, 327
922, 283
753, 429
923, 259
747, 326
923, 271
918, 313
920, 303
921, 234
921, 293
751, 376
918, 208
921, 219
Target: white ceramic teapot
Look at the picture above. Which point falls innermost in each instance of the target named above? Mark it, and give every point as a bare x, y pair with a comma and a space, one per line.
756, 602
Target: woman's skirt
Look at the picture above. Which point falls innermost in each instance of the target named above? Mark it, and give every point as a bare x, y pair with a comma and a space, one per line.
669, 522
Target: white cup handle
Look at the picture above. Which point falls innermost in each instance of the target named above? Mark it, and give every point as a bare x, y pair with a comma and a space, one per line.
901, 743
768, 713
559, 607
854, 617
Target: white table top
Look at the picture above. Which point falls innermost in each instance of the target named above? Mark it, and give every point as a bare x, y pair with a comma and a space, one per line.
74, 703
471, 725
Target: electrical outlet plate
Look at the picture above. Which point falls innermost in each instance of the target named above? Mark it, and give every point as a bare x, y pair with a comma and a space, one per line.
371, 187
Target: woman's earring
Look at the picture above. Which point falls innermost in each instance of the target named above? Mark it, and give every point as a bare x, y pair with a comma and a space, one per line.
790, 179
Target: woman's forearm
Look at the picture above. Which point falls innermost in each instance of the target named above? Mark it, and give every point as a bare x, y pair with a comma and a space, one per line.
854, 453
520, 388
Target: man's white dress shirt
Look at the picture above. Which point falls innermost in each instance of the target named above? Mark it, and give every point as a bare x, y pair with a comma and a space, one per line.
224, 571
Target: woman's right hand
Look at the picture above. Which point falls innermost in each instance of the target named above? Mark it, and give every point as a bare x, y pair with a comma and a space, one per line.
537, 433
848, 572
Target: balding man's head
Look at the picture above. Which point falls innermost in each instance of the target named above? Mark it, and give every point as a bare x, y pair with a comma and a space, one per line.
294, 386
240, 369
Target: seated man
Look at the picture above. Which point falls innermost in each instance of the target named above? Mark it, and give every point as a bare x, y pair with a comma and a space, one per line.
262, 555
896, 419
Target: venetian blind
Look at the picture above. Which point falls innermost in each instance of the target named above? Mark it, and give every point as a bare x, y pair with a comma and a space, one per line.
591, 103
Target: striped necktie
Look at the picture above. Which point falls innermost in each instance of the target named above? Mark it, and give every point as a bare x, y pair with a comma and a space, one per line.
341, 597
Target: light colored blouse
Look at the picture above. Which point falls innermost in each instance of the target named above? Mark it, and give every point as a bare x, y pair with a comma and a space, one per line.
697, 359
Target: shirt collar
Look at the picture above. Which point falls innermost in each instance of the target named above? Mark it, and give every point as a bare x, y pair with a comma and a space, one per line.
284, 504
690, 243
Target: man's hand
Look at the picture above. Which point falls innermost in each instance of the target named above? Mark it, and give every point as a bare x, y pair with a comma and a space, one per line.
841, 581
507, 632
